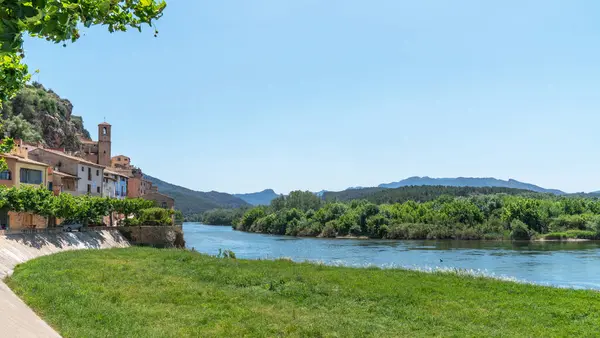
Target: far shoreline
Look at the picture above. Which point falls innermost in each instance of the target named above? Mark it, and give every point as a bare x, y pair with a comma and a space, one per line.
574, 240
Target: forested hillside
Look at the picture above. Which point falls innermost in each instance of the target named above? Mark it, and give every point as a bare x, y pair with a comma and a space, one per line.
193, 202
416, 193
39, 115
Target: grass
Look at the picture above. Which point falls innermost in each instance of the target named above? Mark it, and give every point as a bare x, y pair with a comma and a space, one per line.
144, 292
572, 234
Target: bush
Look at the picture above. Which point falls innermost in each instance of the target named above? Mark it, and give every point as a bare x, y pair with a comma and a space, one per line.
329, 229
519, 230
156, 216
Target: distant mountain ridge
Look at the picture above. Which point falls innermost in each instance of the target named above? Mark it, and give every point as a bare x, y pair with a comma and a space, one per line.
469, 182
194, 202
258, 198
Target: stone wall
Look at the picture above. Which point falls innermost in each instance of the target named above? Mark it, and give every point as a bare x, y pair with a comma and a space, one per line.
154, 236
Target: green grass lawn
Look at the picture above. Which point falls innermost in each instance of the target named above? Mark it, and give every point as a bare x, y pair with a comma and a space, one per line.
143, 292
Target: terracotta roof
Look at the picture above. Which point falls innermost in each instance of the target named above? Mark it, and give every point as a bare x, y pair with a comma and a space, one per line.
156, 193
87, 141
24, 160
59, 173
104, 124
74, 158
108, 171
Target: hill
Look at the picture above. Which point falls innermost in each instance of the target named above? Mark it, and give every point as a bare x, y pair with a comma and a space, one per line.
258, 198
194, 202
416, 193
39, 115
469, 182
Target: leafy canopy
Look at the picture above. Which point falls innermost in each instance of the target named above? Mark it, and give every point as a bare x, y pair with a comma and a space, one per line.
59, 21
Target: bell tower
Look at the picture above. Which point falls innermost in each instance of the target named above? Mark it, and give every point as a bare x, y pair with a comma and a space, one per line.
104, 144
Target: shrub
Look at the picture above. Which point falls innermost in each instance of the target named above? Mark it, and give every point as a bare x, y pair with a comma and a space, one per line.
156, 216
329, 229
519, 230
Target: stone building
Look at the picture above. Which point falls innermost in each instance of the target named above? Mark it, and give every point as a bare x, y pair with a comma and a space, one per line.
161, 200
121, 162
99, 151
77, 176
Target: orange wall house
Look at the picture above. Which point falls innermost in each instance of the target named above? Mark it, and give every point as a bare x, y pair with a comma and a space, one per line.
23, 171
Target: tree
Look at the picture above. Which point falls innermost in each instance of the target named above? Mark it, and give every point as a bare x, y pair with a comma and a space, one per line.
59, 21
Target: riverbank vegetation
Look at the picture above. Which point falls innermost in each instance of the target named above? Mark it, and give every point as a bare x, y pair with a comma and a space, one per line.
495, 216
143, 292
218, 216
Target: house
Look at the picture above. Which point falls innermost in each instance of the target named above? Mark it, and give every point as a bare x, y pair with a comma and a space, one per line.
161, 200
23, 171
81, 176
121, 161
115, 184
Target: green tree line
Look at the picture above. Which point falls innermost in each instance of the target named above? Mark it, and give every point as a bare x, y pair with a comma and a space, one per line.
417, 193
218, 216
493, 216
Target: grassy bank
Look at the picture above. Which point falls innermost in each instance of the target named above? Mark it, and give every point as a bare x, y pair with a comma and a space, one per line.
143, 292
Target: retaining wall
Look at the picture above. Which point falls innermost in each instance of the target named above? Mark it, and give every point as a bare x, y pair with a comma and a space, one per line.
21, 247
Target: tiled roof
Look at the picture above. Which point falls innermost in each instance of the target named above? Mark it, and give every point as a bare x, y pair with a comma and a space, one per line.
104, 124
156, 193
59, 173
74, 158
24, 160
87, 141
108, 171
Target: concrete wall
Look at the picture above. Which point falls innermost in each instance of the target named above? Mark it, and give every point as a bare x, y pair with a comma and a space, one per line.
19, 248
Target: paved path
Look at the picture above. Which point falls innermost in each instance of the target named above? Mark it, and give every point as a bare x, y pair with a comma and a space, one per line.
17, 319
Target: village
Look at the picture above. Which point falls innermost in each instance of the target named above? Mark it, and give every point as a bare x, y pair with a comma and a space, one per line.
92, 171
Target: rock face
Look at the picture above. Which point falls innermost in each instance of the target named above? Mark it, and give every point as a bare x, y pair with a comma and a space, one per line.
39, 115
19, 248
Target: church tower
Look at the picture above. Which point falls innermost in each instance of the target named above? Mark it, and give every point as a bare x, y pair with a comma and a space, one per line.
104, 144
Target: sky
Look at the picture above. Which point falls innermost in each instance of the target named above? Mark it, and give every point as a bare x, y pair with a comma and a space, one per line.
239, 96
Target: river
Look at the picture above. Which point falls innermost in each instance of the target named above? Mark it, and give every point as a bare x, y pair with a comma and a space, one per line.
564, 264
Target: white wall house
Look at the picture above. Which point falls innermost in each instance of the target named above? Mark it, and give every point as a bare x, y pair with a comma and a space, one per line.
91, 177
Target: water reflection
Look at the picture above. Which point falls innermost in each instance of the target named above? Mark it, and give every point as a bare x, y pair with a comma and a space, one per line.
570, 264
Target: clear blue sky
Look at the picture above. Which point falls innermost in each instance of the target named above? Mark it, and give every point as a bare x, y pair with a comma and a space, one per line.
239, 96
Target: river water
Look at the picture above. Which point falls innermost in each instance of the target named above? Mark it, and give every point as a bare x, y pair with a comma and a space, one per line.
566, 264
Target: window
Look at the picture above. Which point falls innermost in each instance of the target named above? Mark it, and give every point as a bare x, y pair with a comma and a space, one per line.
6, 175
89, 188
98, 189
30, 176
82, 169
97, 172
104, 131
164, 205
89, 174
